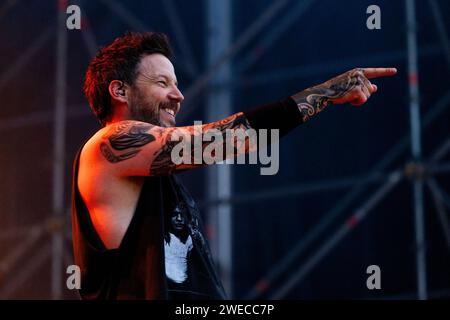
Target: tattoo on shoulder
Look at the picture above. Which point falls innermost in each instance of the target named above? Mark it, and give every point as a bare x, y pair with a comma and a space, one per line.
124, 140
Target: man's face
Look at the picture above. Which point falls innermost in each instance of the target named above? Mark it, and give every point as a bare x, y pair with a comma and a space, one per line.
155, 97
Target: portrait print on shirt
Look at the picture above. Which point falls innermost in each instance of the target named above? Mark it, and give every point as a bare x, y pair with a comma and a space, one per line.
177, 246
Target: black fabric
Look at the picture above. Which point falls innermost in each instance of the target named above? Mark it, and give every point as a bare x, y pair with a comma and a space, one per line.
202, 281
137, 269
283, 115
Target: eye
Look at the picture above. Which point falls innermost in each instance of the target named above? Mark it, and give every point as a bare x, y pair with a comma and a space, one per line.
162, 82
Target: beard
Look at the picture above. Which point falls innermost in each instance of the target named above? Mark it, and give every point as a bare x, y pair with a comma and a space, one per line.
149, 111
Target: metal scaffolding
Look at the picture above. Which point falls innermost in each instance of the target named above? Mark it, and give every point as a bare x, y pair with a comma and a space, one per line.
218, 106
59, 148
416, 146
417, 170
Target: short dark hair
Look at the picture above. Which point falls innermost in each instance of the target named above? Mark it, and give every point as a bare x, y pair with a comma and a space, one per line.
119, 61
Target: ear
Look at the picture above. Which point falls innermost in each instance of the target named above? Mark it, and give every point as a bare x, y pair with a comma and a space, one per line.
118, 91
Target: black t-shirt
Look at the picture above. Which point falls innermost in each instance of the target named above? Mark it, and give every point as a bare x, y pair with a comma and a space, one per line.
188, 263
163, 255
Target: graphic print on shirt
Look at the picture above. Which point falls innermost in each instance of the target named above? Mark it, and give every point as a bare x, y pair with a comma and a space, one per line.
177, 247
189, 265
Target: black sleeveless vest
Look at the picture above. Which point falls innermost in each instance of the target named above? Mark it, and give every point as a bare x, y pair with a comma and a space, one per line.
163, 254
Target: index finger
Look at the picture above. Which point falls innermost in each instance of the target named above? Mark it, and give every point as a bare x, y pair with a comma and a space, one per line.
370, 73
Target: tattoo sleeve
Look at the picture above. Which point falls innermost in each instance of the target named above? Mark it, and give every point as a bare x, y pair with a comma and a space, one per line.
125, 140
163, 162
313, 100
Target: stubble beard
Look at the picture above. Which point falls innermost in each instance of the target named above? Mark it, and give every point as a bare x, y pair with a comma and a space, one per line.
142, 110
149, 111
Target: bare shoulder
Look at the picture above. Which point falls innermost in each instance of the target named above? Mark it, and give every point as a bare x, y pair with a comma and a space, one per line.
119, 148
109, 196
90, 163
126, 136
124, 139
99, 178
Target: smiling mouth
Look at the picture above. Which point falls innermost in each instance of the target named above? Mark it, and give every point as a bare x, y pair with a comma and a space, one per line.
169, 111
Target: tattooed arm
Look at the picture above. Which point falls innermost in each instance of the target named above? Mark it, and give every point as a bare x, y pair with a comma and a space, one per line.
137, 148
350, 87
353, 87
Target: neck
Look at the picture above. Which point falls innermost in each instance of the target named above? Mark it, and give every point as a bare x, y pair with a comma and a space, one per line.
121, 113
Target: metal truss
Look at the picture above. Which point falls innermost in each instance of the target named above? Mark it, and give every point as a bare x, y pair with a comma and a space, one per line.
417, 170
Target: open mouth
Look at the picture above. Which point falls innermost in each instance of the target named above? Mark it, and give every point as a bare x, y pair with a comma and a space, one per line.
169, 111
169, 108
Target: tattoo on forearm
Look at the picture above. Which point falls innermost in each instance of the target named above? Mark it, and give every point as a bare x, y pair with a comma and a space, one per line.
313, 100
162, 163
125, 140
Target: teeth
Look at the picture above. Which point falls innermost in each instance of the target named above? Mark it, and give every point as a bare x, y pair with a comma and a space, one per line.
170, 111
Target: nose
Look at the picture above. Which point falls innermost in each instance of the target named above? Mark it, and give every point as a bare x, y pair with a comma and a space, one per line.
176, 95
